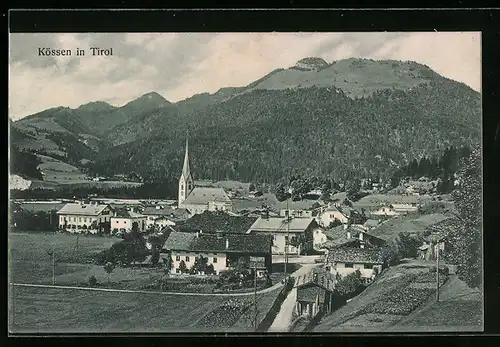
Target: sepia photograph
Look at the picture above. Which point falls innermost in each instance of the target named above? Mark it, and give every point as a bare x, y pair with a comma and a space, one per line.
271, 182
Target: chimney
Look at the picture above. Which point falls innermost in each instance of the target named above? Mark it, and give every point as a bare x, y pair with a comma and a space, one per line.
348, 234
227, 243
361, 236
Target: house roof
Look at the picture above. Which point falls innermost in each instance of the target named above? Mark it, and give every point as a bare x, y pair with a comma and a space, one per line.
123, 213
371, 223
423, 247
356, 255
211, 222
316, 277
181, 241
309, 294
277, 224
168, 212
82, 209
305, 204
204, 195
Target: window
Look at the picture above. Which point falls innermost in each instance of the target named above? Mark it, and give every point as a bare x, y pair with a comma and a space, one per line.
368, 266
177, 271
182, 186
351, 265
85, 220
177, 258
187, 259
215, 260
117, 222
79, 219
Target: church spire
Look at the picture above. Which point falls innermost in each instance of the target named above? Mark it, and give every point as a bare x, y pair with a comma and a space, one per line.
186, 170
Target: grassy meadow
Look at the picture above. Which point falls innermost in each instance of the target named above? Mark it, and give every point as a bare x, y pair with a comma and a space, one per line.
33, 309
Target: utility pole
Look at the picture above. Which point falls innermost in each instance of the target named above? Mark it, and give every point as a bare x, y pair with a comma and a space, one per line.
437, 271
255, 296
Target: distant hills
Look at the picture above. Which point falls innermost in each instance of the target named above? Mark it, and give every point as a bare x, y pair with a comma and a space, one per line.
351, 117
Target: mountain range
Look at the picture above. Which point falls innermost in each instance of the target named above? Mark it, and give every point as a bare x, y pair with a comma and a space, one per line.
350, 117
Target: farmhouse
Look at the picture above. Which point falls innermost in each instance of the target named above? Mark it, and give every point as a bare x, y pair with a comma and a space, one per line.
200, 199
161, 215
123, 221
78, 217
346, 260
314, 291
222, 251
331, 214
218, 221
405, 208
297, 233
385, 211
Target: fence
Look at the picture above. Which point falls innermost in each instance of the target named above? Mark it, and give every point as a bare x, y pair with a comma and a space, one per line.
270, 316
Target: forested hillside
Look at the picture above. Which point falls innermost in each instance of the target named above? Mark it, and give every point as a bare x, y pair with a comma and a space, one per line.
354, 118
263, 134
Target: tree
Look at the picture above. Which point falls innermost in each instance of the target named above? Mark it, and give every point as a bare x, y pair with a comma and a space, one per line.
251, 187
353, 188
407, 245
390, 254
109, 267
465, 240
182, 267
281, 191
156, 246
350, 284
200, 264
168, 264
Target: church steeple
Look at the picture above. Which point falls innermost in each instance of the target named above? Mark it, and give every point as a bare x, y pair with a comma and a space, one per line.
186, 182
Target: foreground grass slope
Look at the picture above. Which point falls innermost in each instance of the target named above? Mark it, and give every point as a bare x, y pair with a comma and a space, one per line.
402, 299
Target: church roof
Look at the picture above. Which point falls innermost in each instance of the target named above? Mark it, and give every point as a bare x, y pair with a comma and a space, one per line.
204, 195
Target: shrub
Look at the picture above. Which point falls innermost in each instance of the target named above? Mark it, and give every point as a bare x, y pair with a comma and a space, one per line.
92, 281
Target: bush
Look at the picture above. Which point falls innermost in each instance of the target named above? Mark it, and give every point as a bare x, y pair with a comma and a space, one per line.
92, 281
442, 270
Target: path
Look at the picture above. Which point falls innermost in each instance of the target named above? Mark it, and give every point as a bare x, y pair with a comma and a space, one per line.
277, 285
284, 317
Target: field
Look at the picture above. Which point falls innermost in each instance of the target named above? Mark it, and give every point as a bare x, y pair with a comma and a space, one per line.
70, 310
411, 223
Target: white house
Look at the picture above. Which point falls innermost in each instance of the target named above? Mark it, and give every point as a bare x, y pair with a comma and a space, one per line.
346, 260
331, 214
78, 217
285, 230
164, 215
402, 208
123, 221
385, 211
296, 213
221, 251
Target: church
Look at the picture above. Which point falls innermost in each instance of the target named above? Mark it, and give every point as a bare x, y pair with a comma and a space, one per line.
200, 199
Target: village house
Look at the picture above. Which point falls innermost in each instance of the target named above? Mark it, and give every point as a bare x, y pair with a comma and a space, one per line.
218, 221
223, 251
296, 213
287, 232
200, 199
124, 219
385, 211
346, 260
314, 292
405, 208
78, 217
332, 213
164, 215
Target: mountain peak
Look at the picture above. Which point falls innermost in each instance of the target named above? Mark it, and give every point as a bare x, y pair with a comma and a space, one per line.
311, 63
96, 106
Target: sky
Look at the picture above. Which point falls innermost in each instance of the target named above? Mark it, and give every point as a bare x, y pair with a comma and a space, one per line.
179, 65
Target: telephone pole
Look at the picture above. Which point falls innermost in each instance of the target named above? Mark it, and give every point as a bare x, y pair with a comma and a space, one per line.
437, 271
255, 296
